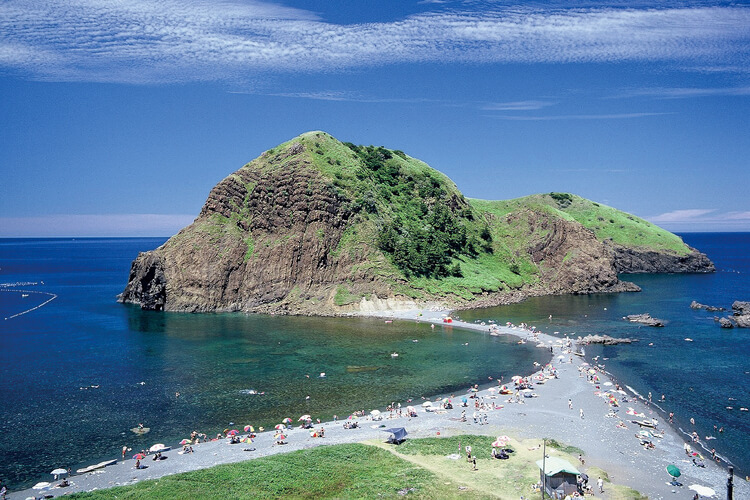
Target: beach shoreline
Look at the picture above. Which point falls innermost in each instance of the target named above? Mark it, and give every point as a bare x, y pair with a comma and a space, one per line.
548, 416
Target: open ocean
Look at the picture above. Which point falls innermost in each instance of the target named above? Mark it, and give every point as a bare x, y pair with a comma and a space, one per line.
79, 372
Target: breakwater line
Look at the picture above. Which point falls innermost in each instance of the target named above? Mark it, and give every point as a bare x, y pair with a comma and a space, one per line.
52, 296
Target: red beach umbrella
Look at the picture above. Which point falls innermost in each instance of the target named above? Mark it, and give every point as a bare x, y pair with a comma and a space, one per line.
139, 456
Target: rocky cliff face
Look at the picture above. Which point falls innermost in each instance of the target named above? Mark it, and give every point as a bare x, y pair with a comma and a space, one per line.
636, 260
264, 241
300, 231
569, 257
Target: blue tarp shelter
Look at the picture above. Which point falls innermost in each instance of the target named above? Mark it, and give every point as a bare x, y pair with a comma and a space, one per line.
398, 434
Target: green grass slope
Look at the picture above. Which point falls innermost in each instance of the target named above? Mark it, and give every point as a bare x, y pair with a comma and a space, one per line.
607, 223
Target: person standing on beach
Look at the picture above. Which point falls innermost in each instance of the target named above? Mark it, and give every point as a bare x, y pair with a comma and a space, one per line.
600, 484
570, 404
124, 450
581, 412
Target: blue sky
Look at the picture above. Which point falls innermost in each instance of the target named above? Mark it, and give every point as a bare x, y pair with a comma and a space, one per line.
118, 117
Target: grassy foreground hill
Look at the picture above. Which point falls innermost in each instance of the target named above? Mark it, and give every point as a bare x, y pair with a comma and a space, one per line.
318, 226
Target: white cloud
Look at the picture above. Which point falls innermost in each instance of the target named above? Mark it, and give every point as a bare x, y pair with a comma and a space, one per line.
93, 225
686, 92
517, 105
616, 116
681, 215
168, 41
699, 219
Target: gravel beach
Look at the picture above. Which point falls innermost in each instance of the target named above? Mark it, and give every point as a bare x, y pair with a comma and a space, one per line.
586, 425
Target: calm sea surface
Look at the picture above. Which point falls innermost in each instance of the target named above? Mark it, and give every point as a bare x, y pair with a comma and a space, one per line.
78, 373
700, 379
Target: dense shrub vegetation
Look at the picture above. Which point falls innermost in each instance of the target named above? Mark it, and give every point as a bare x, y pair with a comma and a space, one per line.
423, 227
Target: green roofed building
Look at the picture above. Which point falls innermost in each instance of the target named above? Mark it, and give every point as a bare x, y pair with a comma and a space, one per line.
560, 474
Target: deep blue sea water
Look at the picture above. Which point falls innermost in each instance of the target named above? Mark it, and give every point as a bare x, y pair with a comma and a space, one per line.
51, 416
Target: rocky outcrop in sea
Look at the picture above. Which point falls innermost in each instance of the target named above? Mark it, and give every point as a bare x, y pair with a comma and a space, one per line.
644, 319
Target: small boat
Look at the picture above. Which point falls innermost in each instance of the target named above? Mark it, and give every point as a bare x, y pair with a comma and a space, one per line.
394, 354
24, 295
688, 339
141, 430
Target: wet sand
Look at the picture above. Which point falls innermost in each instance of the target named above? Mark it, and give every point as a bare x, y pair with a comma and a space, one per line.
607, 447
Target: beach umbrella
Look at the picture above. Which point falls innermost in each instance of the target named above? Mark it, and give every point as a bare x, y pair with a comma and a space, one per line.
185, 441
279, 427
59, 471
673, 471
139, 456
287, 420
353, 417
375, 413
157, 447
703, 491
249, 428
280, 437
426, 404
41, 486
247, 440
304, 417
411, 408
499, 444
233, 432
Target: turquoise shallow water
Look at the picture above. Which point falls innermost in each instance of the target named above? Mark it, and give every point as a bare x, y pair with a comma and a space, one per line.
50, 358
699, 379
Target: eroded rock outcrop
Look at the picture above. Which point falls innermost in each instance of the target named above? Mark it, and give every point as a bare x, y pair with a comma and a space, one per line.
644, 319
604, 340
698, 305
570, 258
636, 260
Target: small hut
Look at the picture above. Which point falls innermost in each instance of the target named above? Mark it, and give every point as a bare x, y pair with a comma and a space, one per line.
560, 474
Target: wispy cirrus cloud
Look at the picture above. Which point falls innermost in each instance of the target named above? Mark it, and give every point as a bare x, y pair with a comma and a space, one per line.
612, 116
531, 105
701, 219
682, 215
344, 96
141, 41
684, 92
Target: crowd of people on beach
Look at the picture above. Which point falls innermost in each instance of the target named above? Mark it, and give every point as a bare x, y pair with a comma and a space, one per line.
481, 403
